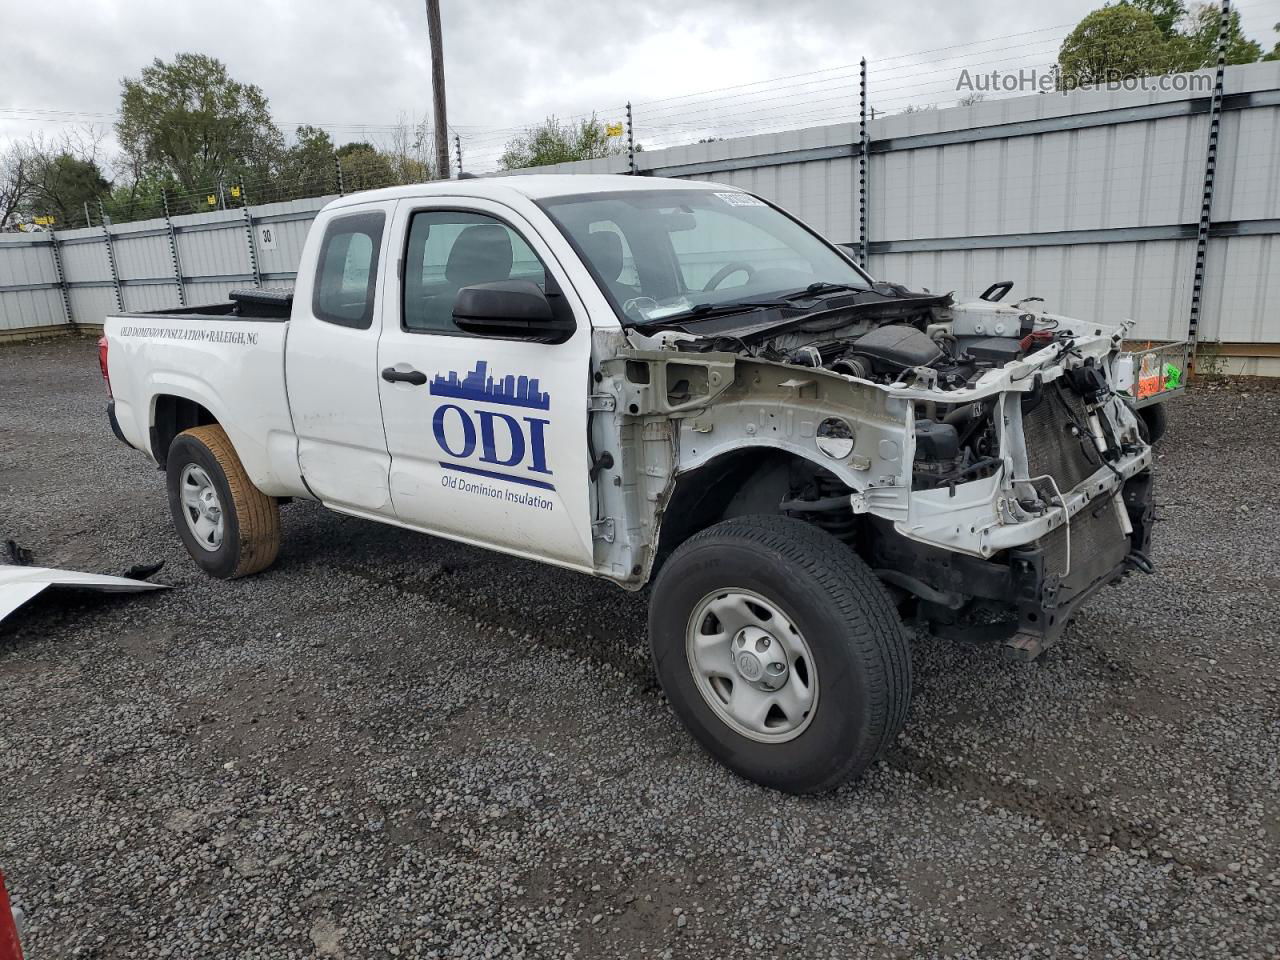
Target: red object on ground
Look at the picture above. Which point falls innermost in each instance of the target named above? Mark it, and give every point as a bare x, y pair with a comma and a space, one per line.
10, 948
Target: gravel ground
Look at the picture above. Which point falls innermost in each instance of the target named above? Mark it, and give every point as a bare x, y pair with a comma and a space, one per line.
390, 745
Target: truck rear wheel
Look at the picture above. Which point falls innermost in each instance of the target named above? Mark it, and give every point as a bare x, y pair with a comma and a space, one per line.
781, 652
229, 526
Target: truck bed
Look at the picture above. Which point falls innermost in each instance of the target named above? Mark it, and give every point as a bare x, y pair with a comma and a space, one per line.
268, 305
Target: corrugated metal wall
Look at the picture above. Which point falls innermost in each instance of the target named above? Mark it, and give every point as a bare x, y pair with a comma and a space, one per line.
1088, 200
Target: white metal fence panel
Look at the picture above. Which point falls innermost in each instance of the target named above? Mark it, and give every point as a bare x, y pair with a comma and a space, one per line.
29, 293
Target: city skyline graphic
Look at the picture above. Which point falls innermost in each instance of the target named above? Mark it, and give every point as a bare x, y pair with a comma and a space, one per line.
479, 384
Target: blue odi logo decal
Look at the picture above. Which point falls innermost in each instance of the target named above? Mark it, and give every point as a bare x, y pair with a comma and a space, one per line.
513, 442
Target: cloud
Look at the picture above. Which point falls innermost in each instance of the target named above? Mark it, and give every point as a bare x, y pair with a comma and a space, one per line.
355, 67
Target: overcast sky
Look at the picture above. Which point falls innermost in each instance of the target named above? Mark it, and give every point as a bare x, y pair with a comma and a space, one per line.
354, 68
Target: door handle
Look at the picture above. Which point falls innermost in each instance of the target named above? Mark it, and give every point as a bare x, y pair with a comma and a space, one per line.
392, 375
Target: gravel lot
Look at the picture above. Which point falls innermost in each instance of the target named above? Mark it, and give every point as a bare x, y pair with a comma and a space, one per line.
390, 745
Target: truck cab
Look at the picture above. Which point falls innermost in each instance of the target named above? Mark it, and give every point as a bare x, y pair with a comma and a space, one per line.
665, 383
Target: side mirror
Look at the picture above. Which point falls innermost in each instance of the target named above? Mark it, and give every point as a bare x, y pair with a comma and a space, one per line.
512, 310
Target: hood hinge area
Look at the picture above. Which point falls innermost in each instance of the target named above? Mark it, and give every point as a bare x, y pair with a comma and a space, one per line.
602, 403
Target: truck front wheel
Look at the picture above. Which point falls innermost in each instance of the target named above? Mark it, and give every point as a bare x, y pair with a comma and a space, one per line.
781, 652
229, 526
1155, 420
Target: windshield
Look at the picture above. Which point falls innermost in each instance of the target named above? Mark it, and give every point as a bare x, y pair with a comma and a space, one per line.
665, 253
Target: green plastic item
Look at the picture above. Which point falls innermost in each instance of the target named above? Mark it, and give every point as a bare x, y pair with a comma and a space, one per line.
1172, 377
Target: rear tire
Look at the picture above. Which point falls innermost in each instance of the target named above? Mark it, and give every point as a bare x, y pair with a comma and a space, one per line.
229, 526
772, 583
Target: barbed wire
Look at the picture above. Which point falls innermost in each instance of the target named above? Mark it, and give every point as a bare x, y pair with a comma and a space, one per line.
827, 95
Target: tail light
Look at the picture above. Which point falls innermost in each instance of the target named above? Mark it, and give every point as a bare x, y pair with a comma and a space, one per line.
102, 362
10, 948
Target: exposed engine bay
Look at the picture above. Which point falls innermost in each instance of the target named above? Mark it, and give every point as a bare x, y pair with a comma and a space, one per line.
892, 336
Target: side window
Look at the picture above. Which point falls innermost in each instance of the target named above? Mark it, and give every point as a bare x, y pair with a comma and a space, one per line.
449, 250
348, 272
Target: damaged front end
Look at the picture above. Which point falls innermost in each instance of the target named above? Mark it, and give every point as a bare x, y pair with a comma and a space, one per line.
975, 455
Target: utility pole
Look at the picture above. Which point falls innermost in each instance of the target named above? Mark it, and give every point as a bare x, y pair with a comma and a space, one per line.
437, 88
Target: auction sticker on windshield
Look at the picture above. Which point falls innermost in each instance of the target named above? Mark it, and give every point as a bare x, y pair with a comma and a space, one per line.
741, 200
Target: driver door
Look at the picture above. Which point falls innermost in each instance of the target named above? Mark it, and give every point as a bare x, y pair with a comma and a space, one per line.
487, 437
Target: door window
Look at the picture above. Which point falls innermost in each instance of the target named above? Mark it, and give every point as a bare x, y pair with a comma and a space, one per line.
451, 249
348, 271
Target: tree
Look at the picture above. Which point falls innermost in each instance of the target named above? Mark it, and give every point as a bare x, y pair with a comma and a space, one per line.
63, 184
1275, 51
364, 167
1166, 14
15, 184
306, 169
1113, 43
555, 142
1142, 38
190, 119
410, 153
1196, 47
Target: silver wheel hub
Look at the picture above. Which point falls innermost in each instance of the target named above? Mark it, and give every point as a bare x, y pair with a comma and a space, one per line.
752, 665
201, 507
760, 660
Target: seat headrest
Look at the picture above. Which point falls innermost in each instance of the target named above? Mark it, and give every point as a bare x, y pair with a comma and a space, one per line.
481, 254
604, 249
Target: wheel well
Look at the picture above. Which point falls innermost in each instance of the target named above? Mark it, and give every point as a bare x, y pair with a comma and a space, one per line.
172, 416
743, 482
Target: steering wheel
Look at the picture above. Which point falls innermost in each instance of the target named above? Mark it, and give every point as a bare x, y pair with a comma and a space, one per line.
726, 271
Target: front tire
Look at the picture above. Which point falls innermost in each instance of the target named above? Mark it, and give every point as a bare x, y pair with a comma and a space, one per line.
229, 526
1155, 420
781, 652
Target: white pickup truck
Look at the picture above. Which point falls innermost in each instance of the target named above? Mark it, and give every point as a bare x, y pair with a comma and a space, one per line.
669, 383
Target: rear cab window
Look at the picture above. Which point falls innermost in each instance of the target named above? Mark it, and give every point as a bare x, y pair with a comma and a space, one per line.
347, 273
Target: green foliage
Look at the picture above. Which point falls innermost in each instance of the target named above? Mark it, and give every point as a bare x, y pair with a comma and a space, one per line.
191, 120
1143, 38
555, 142
62, 184
1166, 14
364, 167
308, 164
138, 199
1196, 47
1113, 43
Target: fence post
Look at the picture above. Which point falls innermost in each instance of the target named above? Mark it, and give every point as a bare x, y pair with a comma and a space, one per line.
253, 241
457, 146
337, 165
1210, 170
62, 277
864, 163
631, 142
173, 250
111, 256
